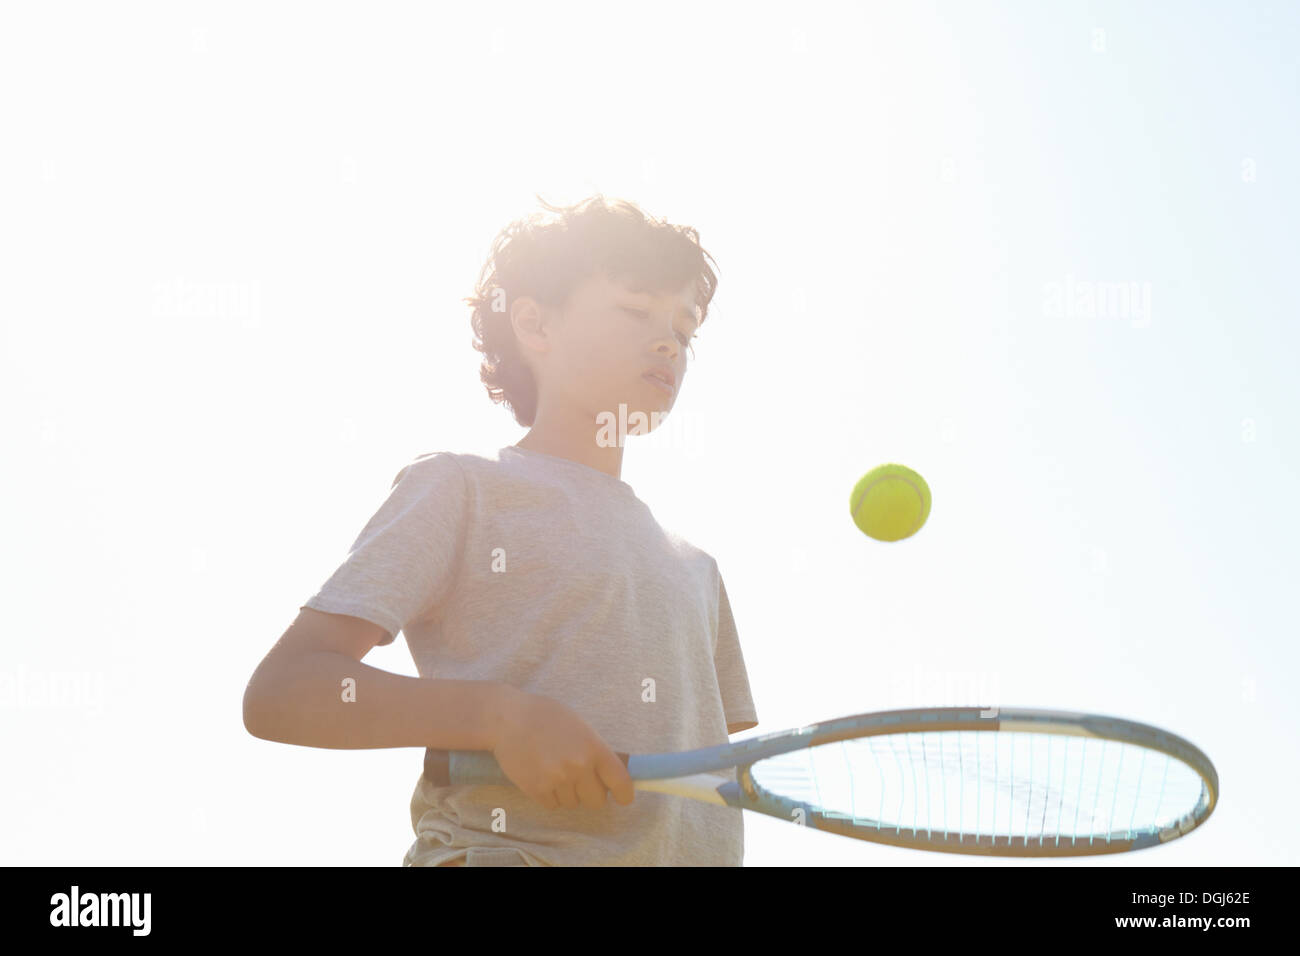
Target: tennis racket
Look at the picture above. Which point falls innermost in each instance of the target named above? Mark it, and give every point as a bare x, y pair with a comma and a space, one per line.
992, 781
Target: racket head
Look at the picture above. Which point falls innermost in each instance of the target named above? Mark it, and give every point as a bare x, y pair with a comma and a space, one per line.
933, 779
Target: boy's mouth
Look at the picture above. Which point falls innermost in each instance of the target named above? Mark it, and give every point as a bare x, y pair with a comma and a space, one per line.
662, 375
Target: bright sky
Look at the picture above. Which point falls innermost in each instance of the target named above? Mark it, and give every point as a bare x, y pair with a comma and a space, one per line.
236, 242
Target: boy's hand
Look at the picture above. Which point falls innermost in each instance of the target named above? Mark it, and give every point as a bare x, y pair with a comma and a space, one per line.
555, 757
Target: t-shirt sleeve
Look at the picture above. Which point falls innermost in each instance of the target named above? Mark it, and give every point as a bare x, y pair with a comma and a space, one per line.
729, 662
401, 566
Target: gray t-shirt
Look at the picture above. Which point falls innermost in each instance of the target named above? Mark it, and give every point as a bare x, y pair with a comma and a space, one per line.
555, 578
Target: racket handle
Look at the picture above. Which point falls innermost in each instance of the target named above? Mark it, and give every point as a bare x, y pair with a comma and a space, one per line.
468, 767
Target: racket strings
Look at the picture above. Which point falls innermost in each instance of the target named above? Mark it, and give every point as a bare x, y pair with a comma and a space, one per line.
989, 786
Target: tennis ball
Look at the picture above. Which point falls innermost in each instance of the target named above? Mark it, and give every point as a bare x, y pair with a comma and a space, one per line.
890, 503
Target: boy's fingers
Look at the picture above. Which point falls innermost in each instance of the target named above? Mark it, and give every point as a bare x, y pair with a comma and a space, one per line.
567, 797
614, 775
546, 799
591, 791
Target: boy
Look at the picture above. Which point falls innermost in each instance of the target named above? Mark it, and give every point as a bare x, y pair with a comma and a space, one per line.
551, 619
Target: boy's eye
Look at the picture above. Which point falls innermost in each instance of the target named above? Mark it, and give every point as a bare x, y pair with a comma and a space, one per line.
683, 337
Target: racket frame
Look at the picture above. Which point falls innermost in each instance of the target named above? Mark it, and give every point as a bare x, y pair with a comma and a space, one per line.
690, 774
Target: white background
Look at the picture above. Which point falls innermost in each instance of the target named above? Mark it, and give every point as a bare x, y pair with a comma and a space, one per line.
235, 242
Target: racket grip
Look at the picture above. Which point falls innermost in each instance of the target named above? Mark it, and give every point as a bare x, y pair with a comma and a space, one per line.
468, 767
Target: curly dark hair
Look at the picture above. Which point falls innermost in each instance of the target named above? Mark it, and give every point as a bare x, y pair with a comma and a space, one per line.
545, 257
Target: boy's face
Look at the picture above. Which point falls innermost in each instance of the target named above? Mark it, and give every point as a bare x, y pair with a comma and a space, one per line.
594, 353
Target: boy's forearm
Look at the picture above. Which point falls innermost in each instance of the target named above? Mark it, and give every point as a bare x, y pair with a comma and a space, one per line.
303, 701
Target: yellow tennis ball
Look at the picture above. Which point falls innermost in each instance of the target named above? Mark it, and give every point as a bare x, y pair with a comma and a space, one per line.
890, 503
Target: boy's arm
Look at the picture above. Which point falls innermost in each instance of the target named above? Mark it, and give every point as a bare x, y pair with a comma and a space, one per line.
311, 689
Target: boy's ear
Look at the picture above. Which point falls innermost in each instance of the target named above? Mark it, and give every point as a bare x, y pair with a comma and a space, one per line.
529, 322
